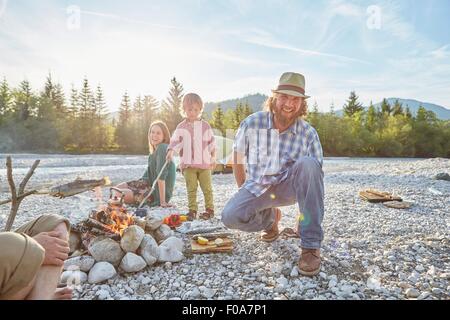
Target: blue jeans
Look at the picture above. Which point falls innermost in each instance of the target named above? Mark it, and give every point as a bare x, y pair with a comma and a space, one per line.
304, 185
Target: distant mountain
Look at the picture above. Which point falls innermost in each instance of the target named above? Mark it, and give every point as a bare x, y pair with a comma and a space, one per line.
255, 101
441, 112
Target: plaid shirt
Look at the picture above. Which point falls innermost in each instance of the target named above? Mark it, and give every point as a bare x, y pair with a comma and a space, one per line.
269, 154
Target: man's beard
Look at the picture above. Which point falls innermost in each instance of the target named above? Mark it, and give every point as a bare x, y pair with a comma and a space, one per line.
284, 120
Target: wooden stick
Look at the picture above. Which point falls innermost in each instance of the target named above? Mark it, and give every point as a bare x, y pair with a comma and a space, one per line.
16, 200
98, 225
23, 195
28, 176
12, 187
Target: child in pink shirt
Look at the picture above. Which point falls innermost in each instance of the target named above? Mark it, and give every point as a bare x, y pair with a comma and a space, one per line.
193, 140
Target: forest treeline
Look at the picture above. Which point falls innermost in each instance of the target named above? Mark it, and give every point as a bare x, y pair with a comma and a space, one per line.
50, 120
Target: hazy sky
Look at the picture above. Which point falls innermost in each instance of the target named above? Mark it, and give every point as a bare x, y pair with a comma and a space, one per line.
227, 49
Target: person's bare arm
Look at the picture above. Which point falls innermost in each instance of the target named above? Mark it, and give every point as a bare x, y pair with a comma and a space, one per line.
239, 168
162, 193
56, 249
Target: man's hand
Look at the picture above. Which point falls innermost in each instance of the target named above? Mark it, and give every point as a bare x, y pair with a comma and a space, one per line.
169, 155
239, 169
56, 249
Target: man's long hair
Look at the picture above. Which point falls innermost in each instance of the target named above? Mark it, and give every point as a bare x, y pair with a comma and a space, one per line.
270, 102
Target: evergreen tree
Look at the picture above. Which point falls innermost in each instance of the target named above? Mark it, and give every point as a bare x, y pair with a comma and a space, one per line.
238, 116
408, 113
385, 107
371, 117
427, 134
24, 107
218, 120
138, 123
397, 109
229, 119
59, 100
352, 106
74, 103
5, 99
48, 88
313, 116
53, 101
86, 101
101, 138
247, 110
421, 114
101, 110
171, 107
86, 118
150, 106
123, 131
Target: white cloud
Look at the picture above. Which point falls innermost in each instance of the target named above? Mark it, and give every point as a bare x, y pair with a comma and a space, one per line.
442, 52
346, 9
264, 39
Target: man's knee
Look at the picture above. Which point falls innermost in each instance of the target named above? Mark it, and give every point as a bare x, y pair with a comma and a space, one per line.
63, 231
308, 165
45, 223
229, 215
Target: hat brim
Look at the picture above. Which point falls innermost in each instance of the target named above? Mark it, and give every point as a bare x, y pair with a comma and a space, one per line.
292, 93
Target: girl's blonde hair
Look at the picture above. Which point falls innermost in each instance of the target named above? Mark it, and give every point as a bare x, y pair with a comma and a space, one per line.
165, 131
191, 98
270, 102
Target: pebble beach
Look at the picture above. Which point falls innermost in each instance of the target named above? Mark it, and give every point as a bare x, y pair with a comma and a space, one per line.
369, 251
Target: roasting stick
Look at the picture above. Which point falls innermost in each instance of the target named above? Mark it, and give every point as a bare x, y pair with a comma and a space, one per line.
153, 185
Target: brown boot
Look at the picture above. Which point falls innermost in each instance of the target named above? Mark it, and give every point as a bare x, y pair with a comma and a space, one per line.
192, 214
208, 214
273, 233
309, 262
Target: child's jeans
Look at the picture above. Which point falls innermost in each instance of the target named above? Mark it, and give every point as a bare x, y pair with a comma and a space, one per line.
193, 177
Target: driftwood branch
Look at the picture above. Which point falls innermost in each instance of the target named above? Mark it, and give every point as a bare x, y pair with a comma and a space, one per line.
12, 187
23, 195
28, 176
17, 199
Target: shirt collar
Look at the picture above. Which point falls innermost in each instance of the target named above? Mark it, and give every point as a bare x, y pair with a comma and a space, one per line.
294, 128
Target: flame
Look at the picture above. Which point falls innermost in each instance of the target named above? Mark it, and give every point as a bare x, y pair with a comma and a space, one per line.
121, 220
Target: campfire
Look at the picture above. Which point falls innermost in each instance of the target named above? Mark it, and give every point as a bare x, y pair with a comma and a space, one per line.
113, 239
108, 220
116, 219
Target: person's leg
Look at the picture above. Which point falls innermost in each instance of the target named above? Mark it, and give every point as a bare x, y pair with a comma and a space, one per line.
23, 293
47, 277
246, 212
306, 177
307, 180
190, 175
204, 179
20, 259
